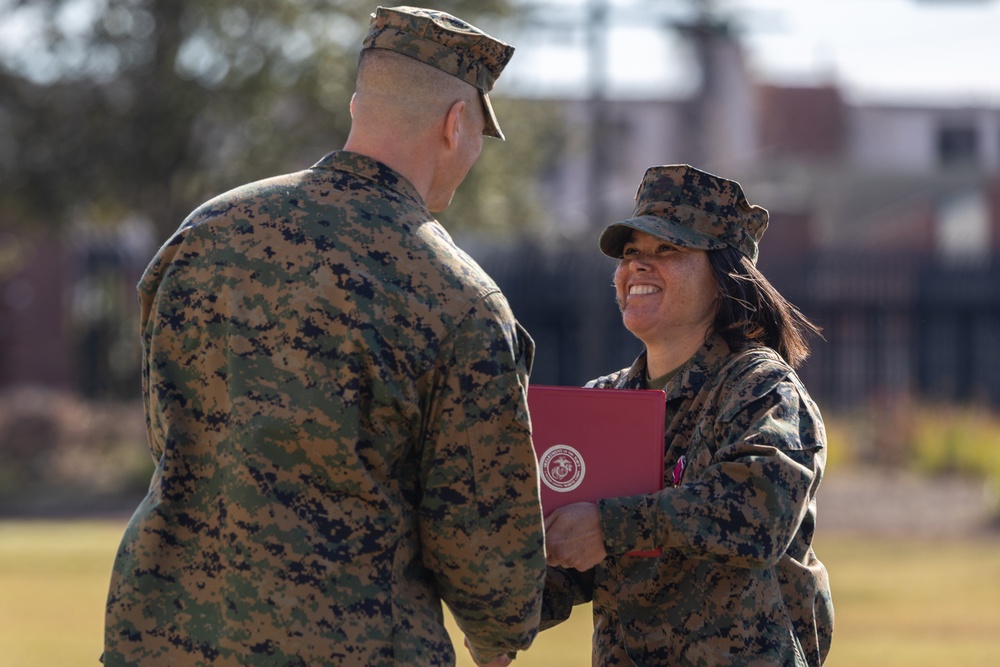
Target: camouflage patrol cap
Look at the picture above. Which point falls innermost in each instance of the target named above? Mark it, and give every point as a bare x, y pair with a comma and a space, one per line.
447, 43
690, 208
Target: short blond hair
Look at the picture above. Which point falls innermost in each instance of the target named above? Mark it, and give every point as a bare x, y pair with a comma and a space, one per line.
400, 92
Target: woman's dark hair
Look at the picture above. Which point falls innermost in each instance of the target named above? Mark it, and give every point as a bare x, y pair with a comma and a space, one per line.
752, 312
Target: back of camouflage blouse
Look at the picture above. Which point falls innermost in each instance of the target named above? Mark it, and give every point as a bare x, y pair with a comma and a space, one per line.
738, 582
336, 403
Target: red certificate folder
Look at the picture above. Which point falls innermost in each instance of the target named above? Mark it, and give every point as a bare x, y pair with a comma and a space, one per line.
596, 443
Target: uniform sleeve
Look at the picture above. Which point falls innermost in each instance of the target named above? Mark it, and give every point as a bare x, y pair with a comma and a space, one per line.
149, 292
480, 517
564, 589
744, 503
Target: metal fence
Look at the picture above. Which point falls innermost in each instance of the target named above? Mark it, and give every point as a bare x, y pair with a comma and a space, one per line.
892, 326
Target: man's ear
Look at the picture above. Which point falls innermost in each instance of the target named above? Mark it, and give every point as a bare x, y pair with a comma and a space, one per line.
351, 106
453, 124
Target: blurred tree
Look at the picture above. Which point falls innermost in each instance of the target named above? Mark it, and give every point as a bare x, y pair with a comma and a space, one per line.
115, 113
116, 107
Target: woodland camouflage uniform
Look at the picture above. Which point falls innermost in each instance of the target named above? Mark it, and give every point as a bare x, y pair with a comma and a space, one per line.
336, 404
737, 583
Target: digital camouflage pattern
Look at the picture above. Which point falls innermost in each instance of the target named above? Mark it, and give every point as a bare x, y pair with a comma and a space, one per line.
690, 208
450, 44
738, 583
336, 402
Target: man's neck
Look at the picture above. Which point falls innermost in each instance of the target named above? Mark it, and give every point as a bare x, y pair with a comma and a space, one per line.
413, 163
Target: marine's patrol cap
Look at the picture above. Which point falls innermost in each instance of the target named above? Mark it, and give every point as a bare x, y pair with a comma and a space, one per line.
445, 42
692, 209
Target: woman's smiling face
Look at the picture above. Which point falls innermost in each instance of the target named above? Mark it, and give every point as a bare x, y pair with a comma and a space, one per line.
665, 292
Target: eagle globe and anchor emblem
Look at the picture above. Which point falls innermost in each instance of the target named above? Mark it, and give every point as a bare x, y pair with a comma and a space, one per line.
562, 468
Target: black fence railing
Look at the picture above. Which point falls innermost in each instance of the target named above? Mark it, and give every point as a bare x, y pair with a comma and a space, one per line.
891, 325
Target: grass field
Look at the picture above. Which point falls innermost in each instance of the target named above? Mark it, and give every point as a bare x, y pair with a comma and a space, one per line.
899, 602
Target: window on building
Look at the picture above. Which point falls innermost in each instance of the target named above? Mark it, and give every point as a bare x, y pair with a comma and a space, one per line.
958, 144
963, 228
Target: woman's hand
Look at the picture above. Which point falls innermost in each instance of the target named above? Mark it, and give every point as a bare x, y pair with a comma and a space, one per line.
573, 537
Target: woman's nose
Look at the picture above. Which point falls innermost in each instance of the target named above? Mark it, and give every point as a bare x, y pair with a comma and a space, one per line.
639, 263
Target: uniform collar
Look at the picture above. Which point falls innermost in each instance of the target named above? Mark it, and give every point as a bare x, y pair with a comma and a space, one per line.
372, 170
692, 376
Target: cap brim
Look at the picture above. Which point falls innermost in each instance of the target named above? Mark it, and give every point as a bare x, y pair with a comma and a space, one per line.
491, 127
615, 236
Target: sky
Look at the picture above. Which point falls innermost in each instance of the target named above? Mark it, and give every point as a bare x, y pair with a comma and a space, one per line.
875, 50
905, 50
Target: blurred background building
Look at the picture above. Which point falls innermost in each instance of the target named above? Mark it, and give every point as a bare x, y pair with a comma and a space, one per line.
885, 223
885, 216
